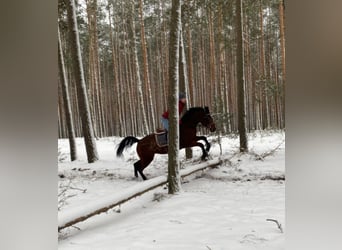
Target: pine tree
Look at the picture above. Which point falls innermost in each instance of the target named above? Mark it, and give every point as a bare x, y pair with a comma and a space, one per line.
183, 82
66, 100
147, 83
82, 97
173, 163
240, 79
282, 47
137, 75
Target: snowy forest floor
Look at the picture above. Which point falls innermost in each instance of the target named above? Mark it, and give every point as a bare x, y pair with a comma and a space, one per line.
222, 208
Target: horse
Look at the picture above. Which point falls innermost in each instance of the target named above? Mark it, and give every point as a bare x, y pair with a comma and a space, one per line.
147, 147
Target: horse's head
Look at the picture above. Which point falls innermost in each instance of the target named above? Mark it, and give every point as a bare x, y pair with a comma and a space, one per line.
207, 121
197, 115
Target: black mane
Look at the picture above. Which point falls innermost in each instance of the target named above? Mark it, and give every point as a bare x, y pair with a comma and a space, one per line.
189, 113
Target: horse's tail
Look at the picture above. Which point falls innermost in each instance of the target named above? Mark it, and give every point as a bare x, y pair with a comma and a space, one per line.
126, 142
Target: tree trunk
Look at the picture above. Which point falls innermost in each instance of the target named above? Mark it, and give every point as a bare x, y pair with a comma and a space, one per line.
173, 163
147, 83
68, 218
66, 101
116, 76
191, 85
138, 79
221, 104
82, 97
94, 75
183, 82
263, 79
282, 47
240, 79
212, 86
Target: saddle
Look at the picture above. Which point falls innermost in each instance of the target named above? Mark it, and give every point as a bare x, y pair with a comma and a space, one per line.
161, 137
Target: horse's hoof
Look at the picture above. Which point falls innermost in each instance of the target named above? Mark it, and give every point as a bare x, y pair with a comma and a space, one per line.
204, 157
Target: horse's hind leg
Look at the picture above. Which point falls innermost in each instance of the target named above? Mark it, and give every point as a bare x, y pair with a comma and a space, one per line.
146, 150
144, 163
139, 169
142, 175
204, 152
137, 166
207, 144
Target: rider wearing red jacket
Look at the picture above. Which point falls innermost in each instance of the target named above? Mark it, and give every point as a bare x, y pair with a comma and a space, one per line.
165, 115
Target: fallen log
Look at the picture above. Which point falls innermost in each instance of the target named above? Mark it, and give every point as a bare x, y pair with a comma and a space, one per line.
72, 216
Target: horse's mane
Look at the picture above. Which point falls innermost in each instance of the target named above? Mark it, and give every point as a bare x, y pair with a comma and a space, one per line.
189, 113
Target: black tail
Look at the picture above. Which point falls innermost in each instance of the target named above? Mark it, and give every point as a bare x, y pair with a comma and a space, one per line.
126, 142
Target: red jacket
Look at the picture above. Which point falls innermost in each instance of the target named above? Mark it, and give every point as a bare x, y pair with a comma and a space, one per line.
180, 109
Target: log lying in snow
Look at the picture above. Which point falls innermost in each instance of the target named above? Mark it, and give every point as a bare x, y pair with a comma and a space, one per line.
72, 216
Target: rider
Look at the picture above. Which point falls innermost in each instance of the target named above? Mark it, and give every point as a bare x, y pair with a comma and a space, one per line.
181, 105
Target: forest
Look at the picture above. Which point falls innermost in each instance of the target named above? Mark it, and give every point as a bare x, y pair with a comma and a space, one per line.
124, 52
121, 65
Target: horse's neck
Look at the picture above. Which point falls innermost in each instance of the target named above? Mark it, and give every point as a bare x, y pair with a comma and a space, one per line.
190, 124
193, 120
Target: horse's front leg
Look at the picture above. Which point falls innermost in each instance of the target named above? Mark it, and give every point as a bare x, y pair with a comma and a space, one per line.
207, 144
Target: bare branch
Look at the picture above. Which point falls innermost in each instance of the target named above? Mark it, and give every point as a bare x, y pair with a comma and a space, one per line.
262, 156
278, 224
62, 195
77, 228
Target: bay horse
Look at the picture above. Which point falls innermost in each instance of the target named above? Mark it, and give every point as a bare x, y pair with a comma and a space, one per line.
147, 147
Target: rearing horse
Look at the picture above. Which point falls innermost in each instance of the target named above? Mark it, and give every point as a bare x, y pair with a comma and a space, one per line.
148, 146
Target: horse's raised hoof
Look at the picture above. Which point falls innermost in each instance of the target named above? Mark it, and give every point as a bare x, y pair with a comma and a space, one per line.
143, 176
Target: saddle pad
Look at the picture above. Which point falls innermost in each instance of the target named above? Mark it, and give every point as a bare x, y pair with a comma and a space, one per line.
161, 139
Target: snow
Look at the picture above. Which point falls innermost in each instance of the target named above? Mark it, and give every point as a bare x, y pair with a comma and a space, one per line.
221, 208
70, 215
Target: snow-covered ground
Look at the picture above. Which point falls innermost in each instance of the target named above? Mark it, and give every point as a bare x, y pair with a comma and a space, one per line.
222, 208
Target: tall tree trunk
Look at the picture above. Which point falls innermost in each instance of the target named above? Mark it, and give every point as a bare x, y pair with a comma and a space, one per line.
222, 103
173, 163
116, 75
212, 87
183, 82
150, 106
166, 51
82, 97
191, 67
240, 79
94, 75
66, 100
282, 47
138, 79
263, 78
